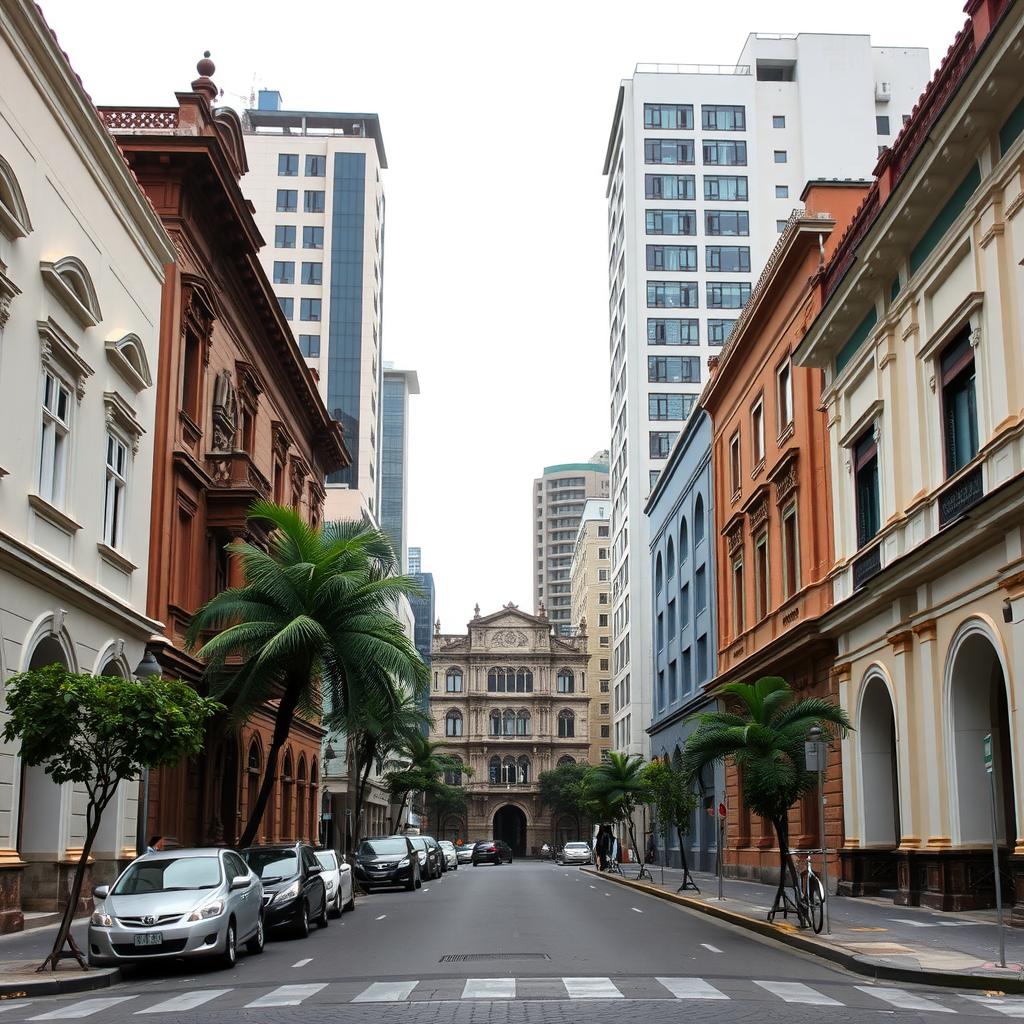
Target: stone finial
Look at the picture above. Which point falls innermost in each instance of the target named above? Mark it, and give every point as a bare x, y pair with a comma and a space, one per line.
476, 611
583, 624
543, 611
437, 626
204, 84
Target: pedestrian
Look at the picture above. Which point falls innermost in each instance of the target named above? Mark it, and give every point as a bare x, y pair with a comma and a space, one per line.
603, 848
155, 843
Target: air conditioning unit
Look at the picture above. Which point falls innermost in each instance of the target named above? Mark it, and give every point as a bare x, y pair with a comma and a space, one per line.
882, 92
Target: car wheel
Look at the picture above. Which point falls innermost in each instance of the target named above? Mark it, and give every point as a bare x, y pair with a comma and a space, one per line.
335, 908
351, 905
302, 927
256, 943
322, 920
413, 882
419, 879
228, 958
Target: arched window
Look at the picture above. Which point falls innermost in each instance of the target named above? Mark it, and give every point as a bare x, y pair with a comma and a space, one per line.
508, 771
453, 776
658, 574
566, 759
453, 681
684, 542
523, 723
494, 770
524, 770
670, 560
287, 796
510, 724
566, 683
453, 723
300, 803
494, 724
524, 681
698, 520
566, 724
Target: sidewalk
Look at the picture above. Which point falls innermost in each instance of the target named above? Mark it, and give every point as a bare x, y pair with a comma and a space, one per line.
22, 952
867, 935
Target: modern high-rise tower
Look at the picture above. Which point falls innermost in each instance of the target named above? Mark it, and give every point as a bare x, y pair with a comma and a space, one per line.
315, 180
394, 457
704, 167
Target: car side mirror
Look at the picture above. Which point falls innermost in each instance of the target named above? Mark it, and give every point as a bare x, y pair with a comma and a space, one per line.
240, 881
100, 892
315, 869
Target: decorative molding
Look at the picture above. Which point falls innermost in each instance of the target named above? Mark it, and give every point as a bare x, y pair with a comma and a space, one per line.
996, 231
225, 412
60, 352
1015, 204
114, 557
901, 642
8, 292
912, 330
968, 310
52, 514
127, 355
14, 218
120, 414
926, 631
867, 418
69, 281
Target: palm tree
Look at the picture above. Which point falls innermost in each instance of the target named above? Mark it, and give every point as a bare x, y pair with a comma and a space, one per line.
417, 767
316, 610
763, 734
615, 788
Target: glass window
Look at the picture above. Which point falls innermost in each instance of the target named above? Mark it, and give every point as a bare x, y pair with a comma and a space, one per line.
312, 273
672, 294
287, 307
566, 724
727, 294
316, 166
784, 396
453, 681
672, 257
882, 124
778, 121
725, 187
790, 551
959, 404
312, 201
670, 186
723, 153
566, 681
668, 151
284, 236
761, 592
781, 191
309, 309
284, 272
312, 237
671, 222
114, 493
700, 586
453, 723
780, 156
715, 118
652, 478
287, 200
726, 222
673, 369
672, 332
288, 165
719, 331
698, 521
780, 226
661, 442
865, 453
670, 407
738, 596
727, 259
669, 116
735, 467
309, 345
757, 431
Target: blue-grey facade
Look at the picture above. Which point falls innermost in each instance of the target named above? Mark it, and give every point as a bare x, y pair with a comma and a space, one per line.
681, 517
423, 610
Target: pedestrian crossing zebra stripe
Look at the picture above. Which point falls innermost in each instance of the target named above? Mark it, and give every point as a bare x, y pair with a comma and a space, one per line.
186, 1001
286, 995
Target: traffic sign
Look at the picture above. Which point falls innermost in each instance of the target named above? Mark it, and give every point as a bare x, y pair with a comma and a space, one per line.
986, 745
721, 810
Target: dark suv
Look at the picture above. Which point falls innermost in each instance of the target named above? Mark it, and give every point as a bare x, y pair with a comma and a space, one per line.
293, 891
491, 851
387, 861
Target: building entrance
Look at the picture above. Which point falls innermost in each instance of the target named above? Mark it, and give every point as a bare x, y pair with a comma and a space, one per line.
510, 827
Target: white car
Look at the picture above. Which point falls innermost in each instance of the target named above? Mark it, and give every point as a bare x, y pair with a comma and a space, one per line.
451, 855
337, 877
577, 853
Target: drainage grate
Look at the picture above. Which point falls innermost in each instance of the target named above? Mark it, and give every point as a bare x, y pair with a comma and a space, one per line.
454, 958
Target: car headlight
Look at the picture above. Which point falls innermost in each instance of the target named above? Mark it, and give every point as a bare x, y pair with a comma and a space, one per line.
204, 913
404, 863
101, 919
330, 885
288, 893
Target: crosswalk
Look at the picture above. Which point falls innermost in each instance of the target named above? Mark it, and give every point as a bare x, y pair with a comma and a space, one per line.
491, 989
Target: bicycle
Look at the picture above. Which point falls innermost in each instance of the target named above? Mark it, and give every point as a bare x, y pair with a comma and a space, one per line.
813, 893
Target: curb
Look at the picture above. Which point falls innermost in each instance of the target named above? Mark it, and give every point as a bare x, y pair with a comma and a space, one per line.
854, 962
41, 985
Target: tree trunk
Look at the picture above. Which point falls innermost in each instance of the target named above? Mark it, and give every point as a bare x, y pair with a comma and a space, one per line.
357, 823
781, 826
282, 726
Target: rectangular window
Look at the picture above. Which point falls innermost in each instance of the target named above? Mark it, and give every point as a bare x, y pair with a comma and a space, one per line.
673, 683
671, 622
309, 345
780, 156
735, 464
284, 272
726, 222
672, 332
784, 396
313, 201
312, 273
287, 307
673, 369
669, 116
287, 200
312, 238
757, 431
670, 407
761, 592
685, 672
865, 453
284, 236
702, 658
727, 294
700, 588
605, 731
670, 186
660, 632
316, 166
724, 154
959, 404
738, 596
672, 257
652, 478
781, 191
53, 456
729, 188
309, 309
660, 443
882, 124
672, 294
790, 551
723, 119
780, 225
778, 121
288, 165
719, 331
684, 605
727, 259
671, 222
113, 495
668, 151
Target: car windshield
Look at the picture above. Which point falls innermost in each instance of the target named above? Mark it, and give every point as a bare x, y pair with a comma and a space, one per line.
576, 846
445, 845
270, 864
327, 861
383, 848
168, 874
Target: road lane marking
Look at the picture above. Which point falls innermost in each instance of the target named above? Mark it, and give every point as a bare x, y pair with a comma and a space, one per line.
635, 910
691, 988
797, 992
714, 949
386, 992
302, 963
13, 1006
591, 988
489, 988
187, 1001
1009, 1007
904, 1000
382, 916
286, 995
85, 1008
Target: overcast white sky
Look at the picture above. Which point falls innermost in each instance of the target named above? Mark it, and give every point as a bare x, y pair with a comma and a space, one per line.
495, 120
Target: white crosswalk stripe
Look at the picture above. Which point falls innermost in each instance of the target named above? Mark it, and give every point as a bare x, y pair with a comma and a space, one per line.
797, 992
287, 995
1009, 1007
691, 988
186, 1001
85, 1008
4, 1007
386, 992
489, 988
591, 988
904, 1000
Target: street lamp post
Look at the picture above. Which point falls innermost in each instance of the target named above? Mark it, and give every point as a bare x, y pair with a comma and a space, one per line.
816, 757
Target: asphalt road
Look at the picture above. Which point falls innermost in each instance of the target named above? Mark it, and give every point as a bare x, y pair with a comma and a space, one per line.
527, 942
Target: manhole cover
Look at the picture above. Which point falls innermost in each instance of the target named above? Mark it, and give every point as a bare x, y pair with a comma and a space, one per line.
454, 958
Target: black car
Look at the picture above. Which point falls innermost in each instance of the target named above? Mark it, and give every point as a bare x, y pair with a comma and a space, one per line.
491, 851
387, 861
430, 855
293, 891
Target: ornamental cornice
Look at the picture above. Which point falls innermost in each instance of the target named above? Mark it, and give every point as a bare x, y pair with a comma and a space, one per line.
926, 631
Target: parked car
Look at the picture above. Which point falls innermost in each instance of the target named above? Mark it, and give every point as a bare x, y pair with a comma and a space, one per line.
294, 892
576, 853
442, 861
465, 853
451, 854
337, 878
491, 851
178, 903
388, 861
429, 857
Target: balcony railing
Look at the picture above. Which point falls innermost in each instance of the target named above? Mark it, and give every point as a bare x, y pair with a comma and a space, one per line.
868, 565
966, 492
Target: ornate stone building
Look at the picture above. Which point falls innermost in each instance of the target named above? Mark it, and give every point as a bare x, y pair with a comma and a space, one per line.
511, 700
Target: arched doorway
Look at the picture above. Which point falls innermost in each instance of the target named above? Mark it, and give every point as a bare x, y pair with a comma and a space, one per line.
510, 827
880, 798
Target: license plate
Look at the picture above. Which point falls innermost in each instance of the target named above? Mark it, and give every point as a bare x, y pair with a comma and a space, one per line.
149, 939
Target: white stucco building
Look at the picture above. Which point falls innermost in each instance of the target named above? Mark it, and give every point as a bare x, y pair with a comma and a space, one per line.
704, 166
81, 270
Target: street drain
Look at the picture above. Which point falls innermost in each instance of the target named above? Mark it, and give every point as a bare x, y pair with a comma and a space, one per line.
454, 958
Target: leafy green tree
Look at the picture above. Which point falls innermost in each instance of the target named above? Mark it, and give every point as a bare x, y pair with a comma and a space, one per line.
97, 731
762, 730
673, 792
616, 787
316, 612
416, 769
447, 801
562, 789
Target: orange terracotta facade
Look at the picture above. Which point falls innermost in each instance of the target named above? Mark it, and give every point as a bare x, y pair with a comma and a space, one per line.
239, 419
771, 472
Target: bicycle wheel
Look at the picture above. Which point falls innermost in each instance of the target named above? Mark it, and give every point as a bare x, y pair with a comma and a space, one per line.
816, 905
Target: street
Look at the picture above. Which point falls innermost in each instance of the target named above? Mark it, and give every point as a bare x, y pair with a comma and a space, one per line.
523, 942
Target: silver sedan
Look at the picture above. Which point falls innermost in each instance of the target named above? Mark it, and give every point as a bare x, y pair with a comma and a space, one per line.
577, 853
